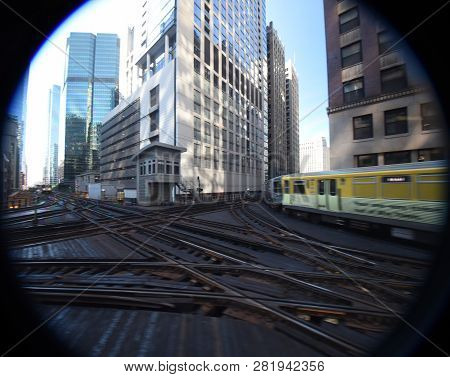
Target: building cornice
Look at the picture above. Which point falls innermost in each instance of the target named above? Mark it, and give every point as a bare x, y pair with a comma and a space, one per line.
369, 101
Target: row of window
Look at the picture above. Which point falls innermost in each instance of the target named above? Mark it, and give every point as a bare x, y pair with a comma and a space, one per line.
238, 142
400, 157
396, 121
352, 53
151, 167
392, 187
235, 78
392, 80
230, 162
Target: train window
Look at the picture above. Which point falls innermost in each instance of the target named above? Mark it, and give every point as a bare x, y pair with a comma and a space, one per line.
396, 187
332, 187
286, 187
299, 187
432, 187
321, 187
277, 187
365, 187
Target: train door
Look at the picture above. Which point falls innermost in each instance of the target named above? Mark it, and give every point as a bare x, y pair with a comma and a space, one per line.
321, 197
328, 195
332, 195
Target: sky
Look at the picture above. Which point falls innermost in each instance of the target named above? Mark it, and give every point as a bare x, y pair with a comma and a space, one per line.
301, 30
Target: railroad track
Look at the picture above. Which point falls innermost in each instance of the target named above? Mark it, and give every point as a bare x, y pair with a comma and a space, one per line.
202, 266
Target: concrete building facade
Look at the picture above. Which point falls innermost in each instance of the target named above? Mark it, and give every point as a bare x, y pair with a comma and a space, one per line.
197, 72
314, 156
381, 107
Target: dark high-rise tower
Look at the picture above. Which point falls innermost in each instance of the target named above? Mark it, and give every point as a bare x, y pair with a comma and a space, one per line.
92, 80
292, 119
276, 78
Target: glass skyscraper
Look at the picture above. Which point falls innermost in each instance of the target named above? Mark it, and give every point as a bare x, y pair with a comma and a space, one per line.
51, 166
91, 87
18, 112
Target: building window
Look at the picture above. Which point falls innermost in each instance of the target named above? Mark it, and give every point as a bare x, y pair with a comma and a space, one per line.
207, 160
207, 107
401, 157
197, 102
348, 20
154, 120
197, 13
351, 54
216, 159
431, 119
364, 160
231, 142
393, 79
216, 136
154, 96
354, 90
207, 51
196, 66
396, 121
386, 42
216, 59
207, 133
224, 68
362, 127
168, 167
432, 154
197, 158
197, 42
230, 74
224, 138
224, 160
176, 168
207, 74
216, 112
197, 129
160, 166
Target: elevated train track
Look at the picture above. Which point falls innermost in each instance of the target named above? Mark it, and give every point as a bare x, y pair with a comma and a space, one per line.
333, 299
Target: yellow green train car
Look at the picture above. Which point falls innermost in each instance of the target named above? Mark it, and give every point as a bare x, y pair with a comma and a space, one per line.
408, 199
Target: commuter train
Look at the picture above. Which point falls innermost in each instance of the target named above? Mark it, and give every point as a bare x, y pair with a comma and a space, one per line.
408, 200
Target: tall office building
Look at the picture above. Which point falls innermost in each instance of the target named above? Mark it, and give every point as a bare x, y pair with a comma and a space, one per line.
292, 118
51, 163
283, 108
314, 156
381, 110
91, 91
276, 77
18, 111
197, 113
10, 158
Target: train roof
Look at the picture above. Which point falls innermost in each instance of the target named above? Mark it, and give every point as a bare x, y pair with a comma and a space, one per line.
408, 166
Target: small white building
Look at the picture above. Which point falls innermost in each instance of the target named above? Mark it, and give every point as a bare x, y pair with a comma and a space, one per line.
314, 155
